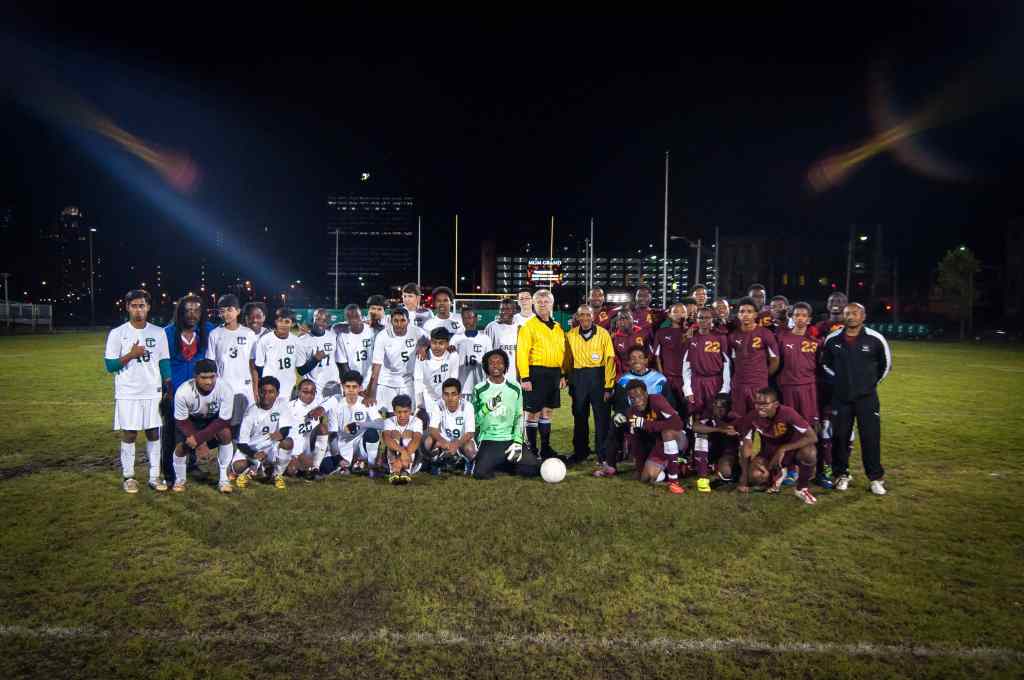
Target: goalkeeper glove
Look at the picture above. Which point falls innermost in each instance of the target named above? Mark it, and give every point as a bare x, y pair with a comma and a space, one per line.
514, 453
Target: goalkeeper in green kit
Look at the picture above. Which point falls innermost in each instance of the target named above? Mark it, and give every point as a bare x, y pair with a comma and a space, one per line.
498, 407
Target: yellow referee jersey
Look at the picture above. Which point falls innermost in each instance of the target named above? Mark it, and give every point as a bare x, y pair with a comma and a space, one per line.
593, 353
539, 345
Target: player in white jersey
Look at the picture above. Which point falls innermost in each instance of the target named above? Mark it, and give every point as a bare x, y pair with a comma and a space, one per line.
471, 345
353, 428
402, 437
265, 437
433, 371
504, 334
203, 409
525, 313
137, 355
277, 353
394, 361
320, 357
375, 305
443, 317
355, 344
309, 438
452, 430
231, 346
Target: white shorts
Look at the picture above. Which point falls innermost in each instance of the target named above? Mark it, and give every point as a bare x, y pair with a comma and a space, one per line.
136, 414
273, 453
386, 394
239, 406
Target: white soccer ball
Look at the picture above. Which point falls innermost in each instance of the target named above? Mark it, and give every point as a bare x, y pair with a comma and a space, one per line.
552, 471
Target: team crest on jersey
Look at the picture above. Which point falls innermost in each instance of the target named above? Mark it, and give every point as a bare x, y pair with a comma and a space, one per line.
275, 416
240, 340
478, 348
366, 343
444, 368
212, 408
151, 342
410, 342
639, 340
459, 420
328, 347
290, 349
358, 416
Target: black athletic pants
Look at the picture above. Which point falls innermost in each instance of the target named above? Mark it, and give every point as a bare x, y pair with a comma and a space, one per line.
587, 390
869, 425
490, 458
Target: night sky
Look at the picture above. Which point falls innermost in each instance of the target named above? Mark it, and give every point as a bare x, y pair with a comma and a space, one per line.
507, 122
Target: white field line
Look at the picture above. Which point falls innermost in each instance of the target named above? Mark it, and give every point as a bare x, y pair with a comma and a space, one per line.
663, 645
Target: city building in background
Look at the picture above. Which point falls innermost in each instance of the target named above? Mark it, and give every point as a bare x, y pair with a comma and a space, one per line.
371, 243
65, 274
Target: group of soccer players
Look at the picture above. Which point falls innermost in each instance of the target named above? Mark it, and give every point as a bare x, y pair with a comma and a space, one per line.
411, 388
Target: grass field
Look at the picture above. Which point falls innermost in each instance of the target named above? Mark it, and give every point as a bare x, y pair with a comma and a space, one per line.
514, 578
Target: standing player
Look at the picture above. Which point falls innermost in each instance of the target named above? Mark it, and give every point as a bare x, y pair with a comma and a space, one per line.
541, 362
411, 297
471, 346
653, 429
452, 429
700, 295
277, 353
375, 306
603, 312
779, 309
835, 305
355, 344
724, 323
525, 300
786, 439
627, 337
203, 413
755, 356
800, 355
402, 437
137, 355
669, 347
759, 294
504, 333
705, 367
321, 356
444, 301
498, 412
264, 443
231, 347
434, 371
644, 316
353, 429
394, 361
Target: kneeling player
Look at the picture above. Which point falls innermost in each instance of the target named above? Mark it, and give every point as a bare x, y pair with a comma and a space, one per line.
498, 410
353, 428
202, 412
264, 437
652, 430
716, 442
452, 428
786, 438
402, 436
310, 434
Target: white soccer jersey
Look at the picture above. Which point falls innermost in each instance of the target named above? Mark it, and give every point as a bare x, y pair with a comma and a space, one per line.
189, 402
415, 425
452, 424
259, 423
504, 336
418, 318
139, 379
232, 350
519, 319
277, 357
452, 323
396, 355
431, 374
356, 350
327, 370
341, 414
300, 411
472, 350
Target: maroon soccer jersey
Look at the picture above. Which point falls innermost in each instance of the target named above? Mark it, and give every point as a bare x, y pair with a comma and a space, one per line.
648, 319
658, 416
750, 352
800, 355
786, 426
603, 317
669, 346
765, 319
622, 343
823, 329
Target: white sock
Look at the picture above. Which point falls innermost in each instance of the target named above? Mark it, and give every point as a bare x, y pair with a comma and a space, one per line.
281, 464
224, 455
371, 453
319, 450
180, 466
128, 459
671, 448
153, 453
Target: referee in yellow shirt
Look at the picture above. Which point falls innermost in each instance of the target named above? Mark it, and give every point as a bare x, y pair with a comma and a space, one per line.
541, 363
591, 380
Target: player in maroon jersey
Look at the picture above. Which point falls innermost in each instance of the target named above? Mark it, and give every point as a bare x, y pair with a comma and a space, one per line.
690, 305
786, 438
627, 335
643, 315
724, 323
603, 313
669, 346
755, 357
835, 305
652, 429
700, 294
705, 366
800, 355
716, 442
779, 308
759, 294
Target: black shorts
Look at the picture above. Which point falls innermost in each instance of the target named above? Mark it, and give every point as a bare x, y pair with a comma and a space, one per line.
546, 392
198, 423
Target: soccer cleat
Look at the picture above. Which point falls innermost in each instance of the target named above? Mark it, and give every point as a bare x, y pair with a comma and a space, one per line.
178, 487
824, 481
130, 485
158, 485
704, 485
806, 496
842, 482
720, 480
548, 452
405, 478
242, 480
776, 484
877, 487
675, 487
826, 470
790, 479
225, 487
605, 471
279, 482
394, 479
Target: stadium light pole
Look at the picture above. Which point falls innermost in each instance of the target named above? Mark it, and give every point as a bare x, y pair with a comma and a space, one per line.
92, 288
698, 244
717, 276
664, 257
419, 248
337, 233
7, 299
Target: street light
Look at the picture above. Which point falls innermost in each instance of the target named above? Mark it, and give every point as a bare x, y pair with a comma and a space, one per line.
693, 244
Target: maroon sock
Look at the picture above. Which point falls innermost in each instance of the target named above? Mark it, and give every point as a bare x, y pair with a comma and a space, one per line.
700, 459
804, 475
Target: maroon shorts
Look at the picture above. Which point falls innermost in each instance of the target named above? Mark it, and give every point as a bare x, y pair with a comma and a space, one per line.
705, 389
647, 448
803, 399
674, 391
743, 397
